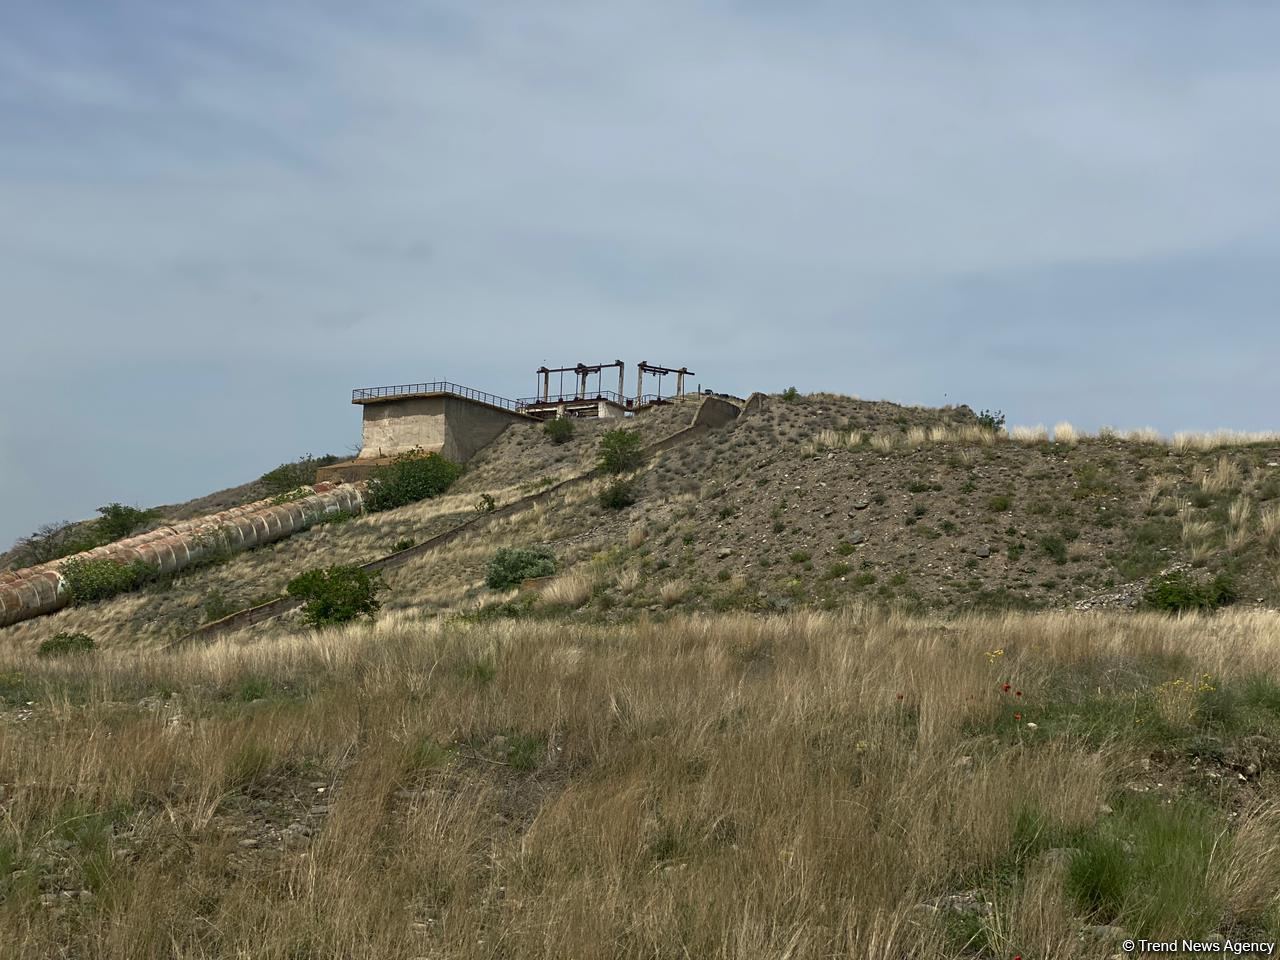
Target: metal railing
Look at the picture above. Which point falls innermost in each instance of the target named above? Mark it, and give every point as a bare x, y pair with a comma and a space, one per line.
439, 386
609, 395
629, 402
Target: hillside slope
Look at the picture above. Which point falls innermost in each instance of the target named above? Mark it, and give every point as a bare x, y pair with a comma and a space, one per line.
814, 502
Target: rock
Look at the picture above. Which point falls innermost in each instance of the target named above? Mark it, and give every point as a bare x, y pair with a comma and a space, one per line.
724, 552
319, 810
857, 537
861, 504
249, 842
983, 551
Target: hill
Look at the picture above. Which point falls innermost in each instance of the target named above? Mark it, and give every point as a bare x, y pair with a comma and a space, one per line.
826, 688
818, 501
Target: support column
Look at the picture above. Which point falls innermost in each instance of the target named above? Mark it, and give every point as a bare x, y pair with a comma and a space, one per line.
622, 390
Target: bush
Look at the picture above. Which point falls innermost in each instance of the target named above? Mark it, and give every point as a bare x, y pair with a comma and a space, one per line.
991, 420
617, 495
1054, 547
559, 430
65, 644
1176, 592
512, 565
790, 395
485, 504
118, 521
90, 579
290, 476
410, 477
621, 450
52, 541
337, 594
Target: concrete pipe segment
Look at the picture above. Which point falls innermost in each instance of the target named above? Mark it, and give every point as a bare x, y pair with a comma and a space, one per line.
42, 589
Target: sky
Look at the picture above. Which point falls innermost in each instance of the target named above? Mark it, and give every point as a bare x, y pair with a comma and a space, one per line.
217, 219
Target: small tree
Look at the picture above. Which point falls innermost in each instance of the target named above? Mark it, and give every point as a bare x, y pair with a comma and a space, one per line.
790, 395
559, 430
51, 542
118, 521
511, 565
337, 594
410, 477
621, 450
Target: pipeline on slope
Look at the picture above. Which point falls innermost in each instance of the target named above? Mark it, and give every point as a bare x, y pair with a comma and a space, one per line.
43, 589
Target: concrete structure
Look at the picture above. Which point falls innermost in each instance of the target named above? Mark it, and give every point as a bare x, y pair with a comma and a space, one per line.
441, 417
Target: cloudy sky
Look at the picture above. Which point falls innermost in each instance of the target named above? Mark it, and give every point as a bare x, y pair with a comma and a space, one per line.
218, 218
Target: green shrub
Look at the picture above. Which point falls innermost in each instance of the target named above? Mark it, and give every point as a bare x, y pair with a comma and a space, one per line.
621, 450
799, 556
1054, 547
217, 605
90, 579
512, 565
999, 503
118, 521
404, 543
410, 477
1176, 592
991, 419
290, 476
559, 430
65, 644
485, 503
618, 494
337, 594
790, 395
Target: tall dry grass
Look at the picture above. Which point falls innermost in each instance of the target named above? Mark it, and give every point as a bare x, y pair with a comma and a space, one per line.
705, 787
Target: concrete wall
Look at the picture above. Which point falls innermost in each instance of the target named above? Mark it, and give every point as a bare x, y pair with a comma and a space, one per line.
453, 427
469, 427
397, 426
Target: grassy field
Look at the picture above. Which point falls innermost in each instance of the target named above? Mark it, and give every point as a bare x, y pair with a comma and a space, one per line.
861, 783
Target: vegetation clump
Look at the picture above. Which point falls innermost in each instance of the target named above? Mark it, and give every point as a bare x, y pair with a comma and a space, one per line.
992, 420
337, 594
512, 565
559, 430
290, 476
410, 477
65, 644
618, 494
1177, 592
621, 450
90, 579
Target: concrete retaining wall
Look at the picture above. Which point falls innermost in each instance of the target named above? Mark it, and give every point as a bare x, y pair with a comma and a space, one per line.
454, 427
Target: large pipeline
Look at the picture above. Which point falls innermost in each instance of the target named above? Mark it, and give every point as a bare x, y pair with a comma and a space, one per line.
42, 589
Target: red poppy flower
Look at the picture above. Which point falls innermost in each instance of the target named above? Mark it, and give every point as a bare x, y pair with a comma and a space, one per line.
1018, 693
1017, 716
899, 696
1004, 687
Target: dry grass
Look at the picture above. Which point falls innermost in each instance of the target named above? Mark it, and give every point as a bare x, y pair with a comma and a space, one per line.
1270, 522
1065, 434
673, 591
1036, 434
1222, 477
568, 590
708, 787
